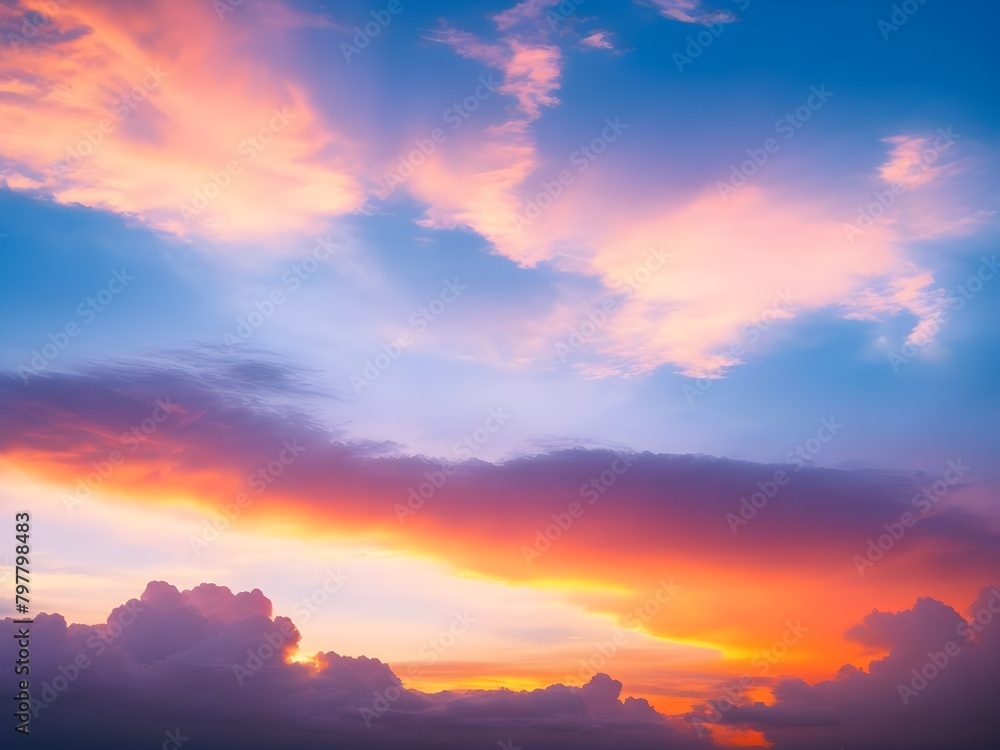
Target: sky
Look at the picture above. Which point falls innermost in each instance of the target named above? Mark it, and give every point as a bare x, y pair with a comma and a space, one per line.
619, 373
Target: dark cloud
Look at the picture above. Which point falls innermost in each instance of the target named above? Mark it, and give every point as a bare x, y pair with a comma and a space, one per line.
213, 666
938, 686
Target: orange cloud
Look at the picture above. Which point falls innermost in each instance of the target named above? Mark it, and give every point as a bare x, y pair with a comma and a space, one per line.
664, 518
165, 111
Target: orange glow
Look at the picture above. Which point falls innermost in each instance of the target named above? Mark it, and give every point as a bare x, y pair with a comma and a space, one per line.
179, 96
726, 601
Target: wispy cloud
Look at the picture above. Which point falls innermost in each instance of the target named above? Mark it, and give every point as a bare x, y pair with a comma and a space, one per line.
598, 40
170, 108
528, 10
691, 11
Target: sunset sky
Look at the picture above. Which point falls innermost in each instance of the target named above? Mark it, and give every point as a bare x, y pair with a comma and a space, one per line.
613, 372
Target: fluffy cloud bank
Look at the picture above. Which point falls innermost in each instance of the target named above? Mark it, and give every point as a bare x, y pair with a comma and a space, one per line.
937, 687
216, 668
213, 667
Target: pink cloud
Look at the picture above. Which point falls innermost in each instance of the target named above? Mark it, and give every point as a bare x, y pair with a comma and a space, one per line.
691, 11
714, 303
475, 185
598, 40
168, 101
531, 71
528, 10
916, 160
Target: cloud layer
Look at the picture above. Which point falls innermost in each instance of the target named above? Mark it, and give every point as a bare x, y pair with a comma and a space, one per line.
214, 667
636, 518
221, 670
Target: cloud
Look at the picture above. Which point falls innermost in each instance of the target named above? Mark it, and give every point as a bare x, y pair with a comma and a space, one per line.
936, 687
691, 11
476, 184
175, 117
216, 667
531, 71
801, 256
738, 269
598, 40
725, 293
528, 10
915, 160
222, 669
648, 516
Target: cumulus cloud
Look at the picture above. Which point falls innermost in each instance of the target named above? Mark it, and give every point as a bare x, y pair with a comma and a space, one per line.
215, 667
220, 669
936, 687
